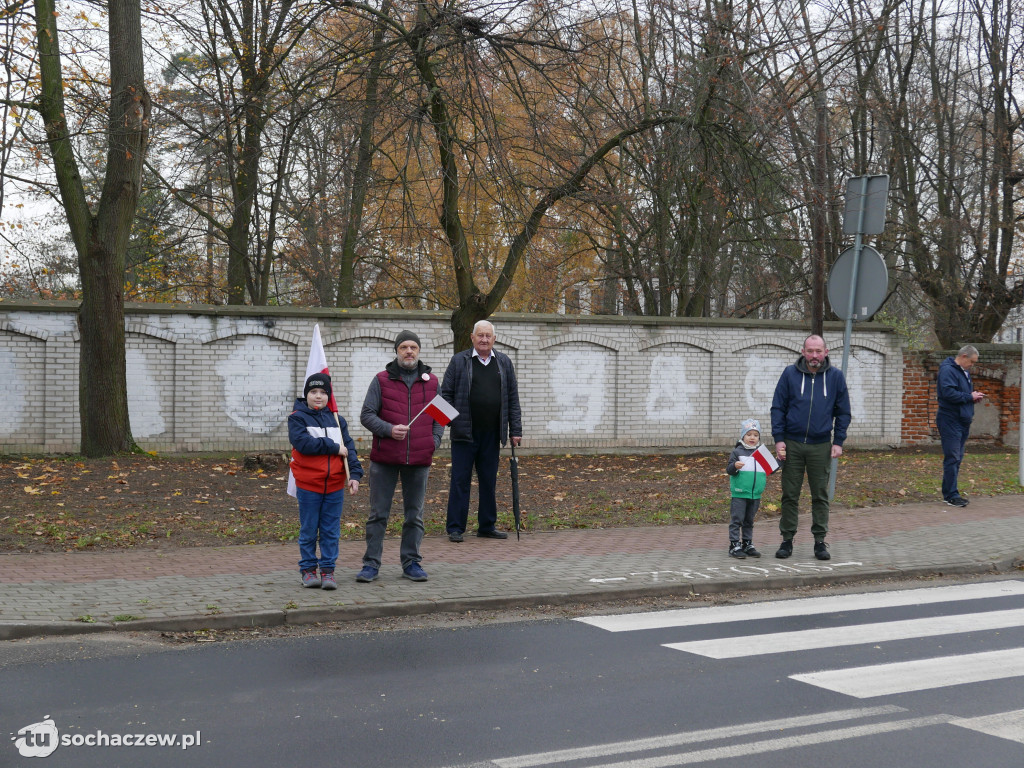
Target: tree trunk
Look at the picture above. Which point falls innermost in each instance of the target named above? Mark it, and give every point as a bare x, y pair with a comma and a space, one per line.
464, 318
102, 384
101, 240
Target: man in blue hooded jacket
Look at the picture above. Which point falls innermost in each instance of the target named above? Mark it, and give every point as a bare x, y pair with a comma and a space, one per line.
957, 397
810, 416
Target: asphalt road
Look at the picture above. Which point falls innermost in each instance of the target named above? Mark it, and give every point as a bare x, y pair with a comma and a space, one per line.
717, 685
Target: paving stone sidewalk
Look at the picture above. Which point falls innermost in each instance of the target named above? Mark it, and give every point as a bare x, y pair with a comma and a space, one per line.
221, 587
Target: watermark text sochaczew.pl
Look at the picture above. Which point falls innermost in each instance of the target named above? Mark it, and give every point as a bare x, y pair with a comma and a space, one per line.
42, 739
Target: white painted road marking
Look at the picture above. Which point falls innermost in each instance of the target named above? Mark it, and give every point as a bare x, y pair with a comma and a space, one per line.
835, 637
727, 742
689, 737
693, 737
1005, 725
777, 745
919, 675
807, 606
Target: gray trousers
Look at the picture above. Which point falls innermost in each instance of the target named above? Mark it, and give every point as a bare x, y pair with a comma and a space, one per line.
383, 480
741, 518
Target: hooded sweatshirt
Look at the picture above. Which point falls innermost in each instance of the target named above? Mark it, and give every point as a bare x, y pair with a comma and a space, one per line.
811, 407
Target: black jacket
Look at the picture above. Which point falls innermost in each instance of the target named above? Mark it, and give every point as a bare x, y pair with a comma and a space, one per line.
458, 378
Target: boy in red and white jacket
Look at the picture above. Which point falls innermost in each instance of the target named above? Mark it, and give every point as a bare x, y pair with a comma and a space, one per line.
320, 443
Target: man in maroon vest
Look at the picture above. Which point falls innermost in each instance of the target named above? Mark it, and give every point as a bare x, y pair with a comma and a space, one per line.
400, 451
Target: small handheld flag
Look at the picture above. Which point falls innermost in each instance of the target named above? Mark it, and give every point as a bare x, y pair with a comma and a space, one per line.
440, 410
765, 460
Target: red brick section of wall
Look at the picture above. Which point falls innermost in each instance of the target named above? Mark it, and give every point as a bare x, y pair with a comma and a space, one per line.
997, 374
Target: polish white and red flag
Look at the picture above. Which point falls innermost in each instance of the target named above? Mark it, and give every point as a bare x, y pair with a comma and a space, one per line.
317, 363
763, 458
440, 410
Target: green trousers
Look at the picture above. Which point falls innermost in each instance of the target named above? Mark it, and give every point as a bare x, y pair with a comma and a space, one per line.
816, 461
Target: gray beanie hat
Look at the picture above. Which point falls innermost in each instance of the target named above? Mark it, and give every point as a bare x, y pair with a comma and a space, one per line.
747, 425
407, 336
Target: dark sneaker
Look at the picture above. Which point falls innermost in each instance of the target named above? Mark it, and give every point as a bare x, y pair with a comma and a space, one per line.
368, 574
492, 534
821, 551
310, 579
413, 572
785, 549
327, 580
957, 501
748, 549
736, 550
455, 536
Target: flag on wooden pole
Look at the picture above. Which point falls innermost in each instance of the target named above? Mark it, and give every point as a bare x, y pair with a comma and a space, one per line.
317, 363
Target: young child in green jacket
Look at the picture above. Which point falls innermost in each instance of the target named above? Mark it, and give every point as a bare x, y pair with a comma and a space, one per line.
747, 479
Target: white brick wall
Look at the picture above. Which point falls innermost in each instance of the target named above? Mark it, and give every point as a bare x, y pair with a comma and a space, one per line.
224, 379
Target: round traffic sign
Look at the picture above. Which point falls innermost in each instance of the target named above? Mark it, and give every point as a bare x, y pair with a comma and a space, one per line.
872, 283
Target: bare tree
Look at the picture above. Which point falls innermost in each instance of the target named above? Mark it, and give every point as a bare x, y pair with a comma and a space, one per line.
240, 96
950, 106
100, 228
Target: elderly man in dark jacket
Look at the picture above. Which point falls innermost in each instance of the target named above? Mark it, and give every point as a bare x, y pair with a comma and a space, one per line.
810, 416
957, 396
481, 384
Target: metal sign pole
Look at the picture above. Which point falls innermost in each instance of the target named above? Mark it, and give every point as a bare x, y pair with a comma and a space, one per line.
848, 329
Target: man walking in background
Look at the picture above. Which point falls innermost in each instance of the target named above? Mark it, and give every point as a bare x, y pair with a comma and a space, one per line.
481, 383
957, 397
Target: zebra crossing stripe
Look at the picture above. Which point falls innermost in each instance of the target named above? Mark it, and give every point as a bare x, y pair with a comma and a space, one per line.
732, 751
919, 675
1005, 725
694, 737
834, 637
807, 606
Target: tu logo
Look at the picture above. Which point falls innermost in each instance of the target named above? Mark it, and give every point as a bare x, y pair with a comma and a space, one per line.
37, 740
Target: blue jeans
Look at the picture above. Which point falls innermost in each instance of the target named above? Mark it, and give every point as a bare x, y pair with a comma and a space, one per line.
383, 480
954, 433
319, 518
483, 453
